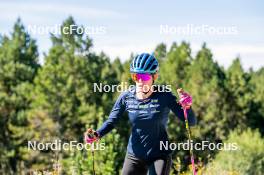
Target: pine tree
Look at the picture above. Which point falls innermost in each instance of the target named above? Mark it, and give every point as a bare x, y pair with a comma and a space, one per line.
173, 71
205, 81
64, 96
161, 52
18, 67
255, 118
238, 97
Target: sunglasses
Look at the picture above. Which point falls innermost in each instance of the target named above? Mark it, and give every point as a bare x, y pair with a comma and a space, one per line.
143, 77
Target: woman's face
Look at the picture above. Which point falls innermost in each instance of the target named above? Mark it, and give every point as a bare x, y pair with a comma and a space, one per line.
144, 86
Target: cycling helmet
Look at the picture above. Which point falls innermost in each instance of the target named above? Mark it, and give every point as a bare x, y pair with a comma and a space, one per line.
144, 63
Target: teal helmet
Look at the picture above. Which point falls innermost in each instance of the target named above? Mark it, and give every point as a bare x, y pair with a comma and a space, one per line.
144, 63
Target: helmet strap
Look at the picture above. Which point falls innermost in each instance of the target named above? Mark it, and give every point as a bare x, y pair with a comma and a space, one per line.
154, 77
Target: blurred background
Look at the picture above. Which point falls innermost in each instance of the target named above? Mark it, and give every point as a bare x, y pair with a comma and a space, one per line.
213, 50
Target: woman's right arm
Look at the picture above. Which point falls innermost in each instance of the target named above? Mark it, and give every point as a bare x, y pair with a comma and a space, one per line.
115, 114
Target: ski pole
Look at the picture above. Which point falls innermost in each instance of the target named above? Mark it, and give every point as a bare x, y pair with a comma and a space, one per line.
91, 135
189, 137
188, 132
93, 161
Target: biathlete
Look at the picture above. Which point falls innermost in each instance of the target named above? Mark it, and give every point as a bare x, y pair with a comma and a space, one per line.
148, 111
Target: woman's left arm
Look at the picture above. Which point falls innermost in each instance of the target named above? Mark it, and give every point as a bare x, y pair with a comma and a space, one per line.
178, 111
